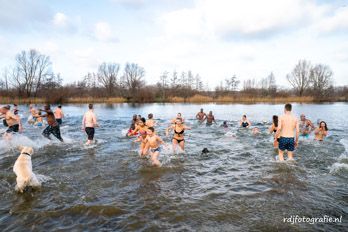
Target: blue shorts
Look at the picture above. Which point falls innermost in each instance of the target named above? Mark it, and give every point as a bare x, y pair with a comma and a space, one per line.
157, 149
286, 144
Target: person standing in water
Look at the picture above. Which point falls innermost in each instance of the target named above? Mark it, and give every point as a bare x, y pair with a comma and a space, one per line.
201, 116
321, 132
179, 130
142, 129
210, 118
150, 122
53, 126
244, 122
10, 120
306, 126
178, 116
33, 112
273, 130
133, 125
89, 122
153, 143
58, 113
286, 126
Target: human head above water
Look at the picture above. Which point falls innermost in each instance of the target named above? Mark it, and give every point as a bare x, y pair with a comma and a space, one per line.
150, 116
151, 130
90, 106
323, 125
288, 107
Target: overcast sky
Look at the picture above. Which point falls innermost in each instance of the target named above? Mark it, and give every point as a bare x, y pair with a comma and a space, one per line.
215, 38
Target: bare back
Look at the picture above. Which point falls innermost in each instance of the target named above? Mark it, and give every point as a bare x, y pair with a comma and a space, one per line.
288, 125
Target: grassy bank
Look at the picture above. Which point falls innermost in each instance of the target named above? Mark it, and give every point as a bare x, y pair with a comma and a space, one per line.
193, 99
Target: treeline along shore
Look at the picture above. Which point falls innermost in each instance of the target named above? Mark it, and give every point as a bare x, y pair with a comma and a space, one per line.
32, 80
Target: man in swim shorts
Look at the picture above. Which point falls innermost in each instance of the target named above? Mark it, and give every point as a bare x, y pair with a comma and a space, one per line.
201, 116
210, 118
287, 124
89, 122
150, 122
11, 121
58, 113
153, 143
53, 126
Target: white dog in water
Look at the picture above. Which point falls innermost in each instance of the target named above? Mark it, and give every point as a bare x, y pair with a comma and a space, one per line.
24, 171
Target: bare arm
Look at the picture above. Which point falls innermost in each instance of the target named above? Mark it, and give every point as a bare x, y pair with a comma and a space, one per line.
249, 124
297, 132
279, 128
270, 129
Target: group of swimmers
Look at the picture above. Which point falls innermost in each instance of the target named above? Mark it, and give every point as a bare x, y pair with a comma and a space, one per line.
286, 128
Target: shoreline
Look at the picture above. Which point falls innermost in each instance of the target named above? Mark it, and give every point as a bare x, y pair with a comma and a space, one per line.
195, 99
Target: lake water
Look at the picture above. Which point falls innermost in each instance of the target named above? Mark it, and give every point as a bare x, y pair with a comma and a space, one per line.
238, 186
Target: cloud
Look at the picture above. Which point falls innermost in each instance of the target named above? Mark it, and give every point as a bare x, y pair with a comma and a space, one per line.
60, 19
241, 19
133, 4
103, 32
337, 21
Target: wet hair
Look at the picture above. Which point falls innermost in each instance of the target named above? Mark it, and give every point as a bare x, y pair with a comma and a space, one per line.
180, 119
225, 122
90, 106
275, 120
324, 126
150, 116
15, 105
39, 113
59, 106
143, 120
134, 117
288, 107
244, 116
151, 129
48, 106
15, 112
179, 114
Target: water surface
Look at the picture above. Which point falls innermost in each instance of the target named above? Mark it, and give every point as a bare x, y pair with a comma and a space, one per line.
238, 186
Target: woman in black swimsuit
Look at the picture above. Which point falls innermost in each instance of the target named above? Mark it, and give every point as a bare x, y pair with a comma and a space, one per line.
273, 130
244, 122
179, 129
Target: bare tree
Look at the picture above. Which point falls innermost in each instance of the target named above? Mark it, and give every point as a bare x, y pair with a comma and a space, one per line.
133, 77
231, 84
107, 76
300, 77
164, 83
174, 80
321, 78
30, 71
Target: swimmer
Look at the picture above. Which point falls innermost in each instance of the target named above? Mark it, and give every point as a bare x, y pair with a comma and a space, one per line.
210, 118
58, 113
224, 124
10, 120
306, 126
244, 122
201, 116
33, 112
53, 126
15, 112
287, 125
39, 120
321, 132
179, 130
273, 130
153, 143
150, 122
89, 123
132, 126
255, 131
178, 116
142, 129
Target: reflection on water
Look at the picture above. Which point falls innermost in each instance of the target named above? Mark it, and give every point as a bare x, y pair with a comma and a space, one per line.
238, 186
